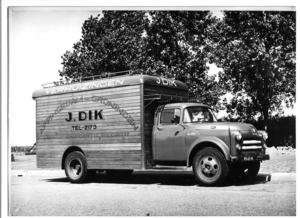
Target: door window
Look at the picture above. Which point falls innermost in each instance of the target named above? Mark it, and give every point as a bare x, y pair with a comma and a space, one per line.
170, 116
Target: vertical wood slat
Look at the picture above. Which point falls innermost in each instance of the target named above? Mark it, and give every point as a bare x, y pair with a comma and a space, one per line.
144, 164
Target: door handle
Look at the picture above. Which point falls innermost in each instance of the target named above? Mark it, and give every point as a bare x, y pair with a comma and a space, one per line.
160, 128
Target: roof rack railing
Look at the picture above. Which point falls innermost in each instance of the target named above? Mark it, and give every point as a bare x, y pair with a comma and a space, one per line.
87, 78
163, 99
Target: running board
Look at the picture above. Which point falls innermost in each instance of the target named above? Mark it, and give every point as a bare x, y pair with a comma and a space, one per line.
169, 168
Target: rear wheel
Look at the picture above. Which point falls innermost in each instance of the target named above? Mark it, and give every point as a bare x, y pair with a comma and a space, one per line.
210, 167
76, 167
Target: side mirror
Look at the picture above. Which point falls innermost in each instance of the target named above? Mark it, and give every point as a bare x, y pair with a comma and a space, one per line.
175, 120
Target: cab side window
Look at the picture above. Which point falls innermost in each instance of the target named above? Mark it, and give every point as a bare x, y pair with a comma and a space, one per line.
170, 116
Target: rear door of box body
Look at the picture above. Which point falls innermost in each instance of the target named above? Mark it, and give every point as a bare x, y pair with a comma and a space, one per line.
105, 124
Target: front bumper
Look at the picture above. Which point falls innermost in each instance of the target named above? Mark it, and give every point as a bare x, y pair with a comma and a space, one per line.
250, 158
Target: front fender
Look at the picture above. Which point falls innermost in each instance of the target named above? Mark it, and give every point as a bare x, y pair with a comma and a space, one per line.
201, 142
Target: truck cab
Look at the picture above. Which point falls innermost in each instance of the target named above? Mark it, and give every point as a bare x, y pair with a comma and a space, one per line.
188, 134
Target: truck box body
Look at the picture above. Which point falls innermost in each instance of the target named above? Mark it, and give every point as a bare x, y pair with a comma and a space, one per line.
105, 119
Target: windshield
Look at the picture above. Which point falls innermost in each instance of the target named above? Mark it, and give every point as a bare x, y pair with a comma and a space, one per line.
198, 115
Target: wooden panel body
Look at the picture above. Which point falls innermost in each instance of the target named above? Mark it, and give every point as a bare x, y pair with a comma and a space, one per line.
105, 124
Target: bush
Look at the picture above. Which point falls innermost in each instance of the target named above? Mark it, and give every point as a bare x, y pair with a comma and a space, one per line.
281, 130
21, 149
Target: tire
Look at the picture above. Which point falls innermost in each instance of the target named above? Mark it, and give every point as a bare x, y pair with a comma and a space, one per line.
210, 167
119, 172
76, 167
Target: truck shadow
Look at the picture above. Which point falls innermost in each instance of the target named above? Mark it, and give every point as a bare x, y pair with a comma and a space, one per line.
177, 178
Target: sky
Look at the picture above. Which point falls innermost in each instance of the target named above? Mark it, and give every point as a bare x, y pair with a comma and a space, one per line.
38, 37
37, 40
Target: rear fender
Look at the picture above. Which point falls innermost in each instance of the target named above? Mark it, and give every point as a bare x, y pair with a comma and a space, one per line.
67, 152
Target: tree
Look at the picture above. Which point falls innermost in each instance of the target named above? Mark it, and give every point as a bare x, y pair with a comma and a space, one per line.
108, 44
257, 51
174, 49
160, 43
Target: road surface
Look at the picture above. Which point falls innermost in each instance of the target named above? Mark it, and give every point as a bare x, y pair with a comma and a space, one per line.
49, 193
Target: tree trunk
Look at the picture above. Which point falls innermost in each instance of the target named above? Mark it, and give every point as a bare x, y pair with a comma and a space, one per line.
266, 117
266, 101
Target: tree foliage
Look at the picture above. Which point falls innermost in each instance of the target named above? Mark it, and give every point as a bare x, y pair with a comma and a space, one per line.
257, 51
108, 44
161, 43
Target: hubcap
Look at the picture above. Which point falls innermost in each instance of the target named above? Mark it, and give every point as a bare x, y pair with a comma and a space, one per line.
75, 167
209, 166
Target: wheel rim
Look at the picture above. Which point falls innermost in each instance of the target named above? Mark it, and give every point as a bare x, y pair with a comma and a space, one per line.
75, 168
209, 166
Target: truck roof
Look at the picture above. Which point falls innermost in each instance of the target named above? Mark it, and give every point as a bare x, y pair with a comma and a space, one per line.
186, 104
109, 83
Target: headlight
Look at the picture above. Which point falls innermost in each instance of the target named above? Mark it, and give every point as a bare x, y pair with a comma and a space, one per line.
239, 136
265, 135
254, 131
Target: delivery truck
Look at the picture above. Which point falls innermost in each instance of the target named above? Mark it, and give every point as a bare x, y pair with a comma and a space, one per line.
123, 123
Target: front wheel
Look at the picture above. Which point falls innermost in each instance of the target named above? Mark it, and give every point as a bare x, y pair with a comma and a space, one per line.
76, 167
210, 167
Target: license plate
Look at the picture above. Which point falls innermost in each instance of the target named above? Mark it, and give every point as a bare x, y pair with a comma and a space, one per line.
248, 158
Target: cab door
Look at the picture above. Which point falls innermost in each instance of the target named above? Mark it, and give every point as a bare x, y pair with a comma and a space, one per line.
170, 136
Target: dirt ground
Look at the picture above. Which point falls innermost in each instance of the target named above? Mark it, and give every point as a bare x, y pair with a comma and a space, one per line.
281, 161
